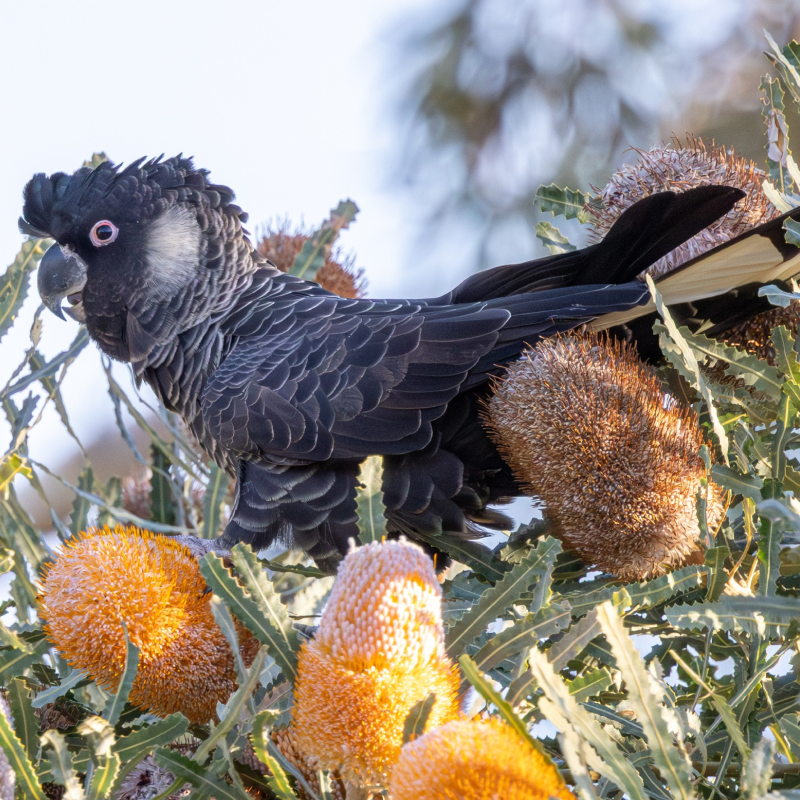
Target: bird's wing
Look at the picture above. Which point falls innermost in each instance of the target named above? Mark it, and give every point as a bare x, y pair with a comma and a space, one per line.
321, 377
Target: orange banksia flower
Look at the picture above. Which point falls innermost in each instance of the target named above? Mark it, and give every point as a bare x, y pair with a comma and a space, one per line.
153, 585
338, 274
379, 650
585, 426
475, 760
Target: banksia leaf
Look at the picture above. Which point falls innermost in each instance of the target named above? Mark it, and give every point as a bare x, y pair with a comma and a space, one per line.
108, 581
14, 284
474, 760
585, 426
379, 651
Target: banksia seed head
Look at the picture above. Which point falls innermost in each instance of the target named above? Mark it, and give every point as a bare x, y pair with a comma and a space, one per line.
338, 274
474, 760
153, 585
379, 650
677, 169
682, 167
585, 426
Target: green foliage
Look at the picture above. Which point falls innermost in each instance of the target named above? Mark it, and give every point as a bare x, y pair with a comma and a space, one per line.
318, 247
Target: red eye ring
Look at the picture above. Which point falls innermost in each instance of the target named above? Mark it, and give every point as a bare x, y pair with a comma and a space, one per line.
103, 232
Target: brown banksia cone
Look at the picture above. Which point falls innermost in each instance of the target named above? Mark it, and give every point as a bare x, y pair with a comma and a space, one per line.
152, 585
475, 760
379, 650
339, 275
681, 167
585, 426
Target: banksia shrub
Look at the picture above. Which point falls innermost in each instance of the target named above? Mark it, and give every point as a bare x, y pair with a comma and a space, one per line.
585, 426
379, 650
152, 584
338, 274
475, 760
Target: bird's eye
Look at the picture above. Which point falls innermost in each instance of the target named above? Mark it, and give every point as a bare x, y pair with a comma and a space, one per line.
103, 233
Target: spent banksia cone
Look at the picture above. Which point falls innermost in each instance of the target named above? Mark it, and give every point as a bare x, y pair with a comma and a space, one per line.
379, 650
585, 426
683, 167
475, 760
338, 274
153, 585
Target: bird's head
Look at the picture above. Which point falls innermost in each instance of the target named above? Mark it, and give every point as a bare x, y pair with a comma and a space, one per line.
141, 254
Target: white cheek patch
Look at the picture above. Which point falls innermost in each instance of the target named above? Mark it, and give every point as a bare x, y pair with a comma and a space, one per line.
172, 249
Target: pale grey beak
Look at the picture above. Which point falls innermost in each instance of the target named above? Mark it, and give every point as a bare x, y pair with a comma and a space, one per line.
62, 274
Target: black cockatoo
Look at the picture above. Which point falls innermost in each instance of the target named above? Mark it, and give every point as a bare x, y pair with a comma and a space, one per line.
289, 387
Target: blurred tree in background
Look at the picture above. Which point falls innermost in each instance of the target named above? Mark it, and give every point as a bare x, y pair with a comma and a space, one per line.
501, 96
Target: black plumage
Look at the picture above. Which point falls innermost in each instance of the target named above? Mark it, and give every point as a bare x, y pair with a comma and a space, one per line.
289, 387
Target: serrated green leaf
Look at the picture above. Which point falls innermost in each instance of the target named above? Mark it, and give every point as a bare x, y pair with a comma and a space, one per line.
206, 782
492, 697
263, 614
563, 710
14, 283
10, 467
233, 708
17, 757
777, 133
494, 602
50, 695
523, 634
162, 507
574, 641
757, 775
734, 481
213, 500
477, 557
133, 746
564, 202
369, 501
745, 614
791, 730
417, 718
80, 505
552, 238
278, 782
792, 229
646, 697
117, 701
715, 558
62, 767
590, 684
691, 365
26, 725
99, 734
777, 296
316, 249
44, 371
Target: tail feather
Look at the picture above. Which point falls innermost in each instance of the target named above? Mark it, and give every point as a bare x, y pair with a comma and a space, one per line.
642, 235
758, 256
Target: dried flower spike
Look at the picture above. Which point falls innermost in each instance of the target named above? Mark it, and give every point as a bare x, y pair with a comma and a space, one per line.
677, 169
153, 585
682, 167
379, 650
585, 426
338, 274
475, 760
